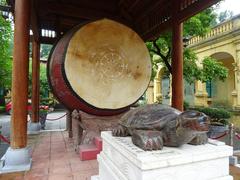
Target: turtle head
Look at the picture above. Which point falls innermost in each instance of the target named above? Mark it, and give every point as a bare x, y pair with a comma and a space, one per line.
194, 120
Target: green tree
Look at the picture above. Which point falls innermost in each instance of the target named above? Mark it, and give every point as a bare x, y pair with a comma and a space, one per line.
213, 70
43, 81
225, 15
45, 50
6, 36
198, 25
44, 86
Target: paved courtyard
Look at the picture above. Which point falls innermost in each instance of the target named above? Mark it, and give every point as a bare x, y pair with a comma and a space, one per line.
53, 154
54, 158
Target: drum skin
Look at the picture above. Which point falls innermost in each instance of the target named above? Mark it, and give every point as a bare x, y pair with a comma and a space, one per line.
101, 68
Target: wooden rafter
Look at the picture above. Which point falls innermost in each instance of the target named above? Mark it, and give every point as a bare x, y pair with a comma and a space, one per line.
45, 40
148, 18
150, 9
109, 6
77, 12
61, 20
133, 5
195, 8
5, 8
154, 32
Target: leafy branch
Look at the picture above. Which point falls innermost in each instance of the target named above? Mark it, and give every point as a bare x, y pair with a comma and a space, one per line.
162, 47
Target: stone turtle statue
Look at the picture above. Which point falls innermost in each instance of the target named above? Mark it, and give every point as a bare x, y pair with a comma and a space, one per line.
154, 126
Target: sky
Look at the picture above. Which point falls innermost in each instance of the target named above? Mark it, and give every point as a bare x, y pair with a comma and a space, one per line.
232, 5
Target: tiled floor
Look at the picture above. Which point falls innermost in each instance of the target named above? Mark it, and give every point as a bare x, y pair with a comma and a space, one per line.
54, 159
51, 124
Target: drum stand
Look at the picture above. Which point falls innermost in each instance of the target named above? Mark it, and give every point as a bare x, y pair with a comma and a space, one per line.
86, 130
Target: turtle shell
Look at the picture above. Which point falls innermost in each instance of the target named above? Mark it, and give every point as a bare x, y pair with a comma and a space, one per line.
149, 117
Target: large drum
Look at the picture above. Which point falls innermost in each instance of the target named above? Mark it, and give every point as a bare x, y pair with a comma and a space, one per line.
101, 68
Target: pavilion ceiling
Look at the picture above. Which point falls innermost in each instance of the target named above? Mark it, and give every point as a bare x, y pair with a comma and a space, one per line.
147, 17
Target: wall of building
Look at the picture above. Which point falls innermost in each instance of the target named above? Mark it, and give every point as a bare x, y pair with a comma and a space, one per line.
222, 90
222, 43
150, 94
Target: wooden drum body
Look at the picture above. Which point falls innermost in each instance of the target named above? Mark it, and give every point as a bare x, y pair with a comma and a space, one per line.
101, 68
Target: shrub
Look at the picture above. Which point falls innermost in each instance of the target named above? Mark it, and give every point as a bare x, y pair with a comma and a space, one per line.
2, 109
218, 116
186, 105
159, 100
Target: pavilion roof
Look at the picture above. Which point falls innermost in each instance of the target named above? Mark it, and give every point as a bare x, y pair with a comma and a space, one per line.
149, 18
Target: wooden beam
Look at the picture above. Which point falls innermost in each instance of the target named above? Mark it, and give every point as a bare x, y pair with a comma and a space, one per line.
11, 4
109, 6
177, 58
79, 12
177, 67
156, 30
195, 8
5, 8
34, 22
120, 2
44, 40
126, 15
52, 22
35, 80
63, 24
182, 16
20, 75
134, 4
47, 40
153, 6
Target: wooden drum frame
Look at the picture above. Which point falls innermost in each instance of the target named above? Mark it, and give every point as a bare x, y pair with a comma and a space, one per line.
101, 68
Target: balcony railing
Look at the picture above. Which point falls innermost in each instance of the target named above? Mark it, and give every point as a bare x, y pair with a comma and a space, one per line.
220, 29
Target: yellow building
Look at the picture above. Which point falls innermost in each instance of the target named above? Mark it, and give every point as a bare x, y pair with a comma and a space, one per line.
223, 44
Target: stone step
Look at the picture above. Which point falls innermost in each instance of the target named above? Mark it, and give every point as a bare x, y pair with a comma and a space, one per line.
98, 143
90, 151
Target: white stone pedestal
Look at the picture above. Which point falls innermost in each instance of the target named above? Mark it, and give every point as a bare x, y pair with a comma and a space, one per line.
121, 160
15, 160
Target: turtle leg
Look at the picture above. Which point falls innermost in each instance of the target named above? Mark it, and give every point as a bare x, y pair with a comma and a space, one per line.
148, 140
120, 131
199, 139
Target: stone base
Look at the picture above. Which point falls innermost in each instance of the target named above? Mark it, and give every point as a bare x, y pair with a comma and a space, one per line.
122, 160
95, 178
90, 151
16, 160
236, 108
233, 160
85, 127
34, 128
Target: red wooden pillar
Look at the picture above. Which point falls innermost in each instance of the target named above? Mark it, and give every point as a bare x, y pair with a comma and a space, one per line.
177, 67
35, 80
20, 74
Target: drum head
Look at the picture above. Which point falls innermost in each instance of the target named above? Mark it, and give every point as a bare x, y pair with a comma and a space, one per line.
107, 64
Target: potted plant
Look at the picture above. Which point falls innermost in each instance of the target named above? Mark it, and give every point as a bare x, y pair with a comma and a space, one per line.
219, 120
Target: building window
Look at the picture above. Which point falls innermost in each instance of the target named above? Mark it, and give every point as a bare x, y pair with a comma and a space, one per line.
209, 88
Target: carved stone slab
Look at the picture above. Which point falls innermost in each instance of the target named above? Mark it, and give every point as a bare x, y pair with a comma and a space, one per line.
120, 159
